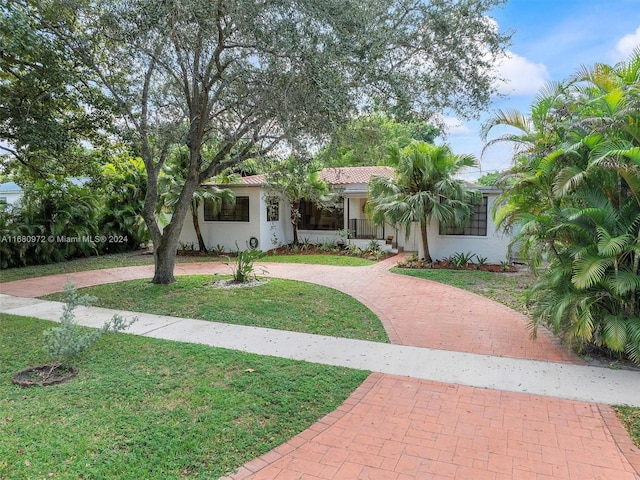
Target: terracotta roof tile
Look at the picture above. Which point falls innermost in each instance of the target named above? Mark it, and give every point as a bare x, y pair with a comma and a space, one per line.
335, 175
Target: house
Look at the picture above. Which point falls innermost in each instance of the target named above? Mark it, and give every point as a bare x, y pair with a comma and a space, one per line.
10, 193
259, 218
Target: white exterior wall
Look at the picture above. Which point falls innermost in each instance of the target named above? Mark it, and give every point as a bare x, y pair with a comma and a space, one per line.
11, 197
273, 234
227, 233
493, 246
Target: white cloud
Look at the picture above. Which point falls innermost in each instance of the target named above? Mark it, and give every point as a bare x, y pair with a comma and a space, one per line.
454, 126
626, 44
520, 76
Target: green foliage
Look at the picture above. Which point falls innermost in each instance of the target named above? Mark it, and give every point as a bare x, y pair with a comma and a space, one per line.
460, 259
489, 180
65, 341
43, 119
368, 139
574, 201
55, 221
424, 188
297, 179
124, 185
243, 269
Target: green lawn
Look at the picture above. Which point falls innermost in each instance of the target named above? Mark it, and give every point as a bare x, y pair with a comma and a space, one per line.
154, 409
281, 304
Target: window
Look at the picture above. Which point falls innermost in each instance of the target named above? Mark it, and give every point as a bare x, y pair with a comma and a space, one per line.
475, 226
273, 209
314, 218
229, 212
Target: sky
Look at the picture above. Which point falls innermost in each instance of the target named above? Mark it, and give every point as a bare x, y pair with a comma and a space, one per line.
551, 40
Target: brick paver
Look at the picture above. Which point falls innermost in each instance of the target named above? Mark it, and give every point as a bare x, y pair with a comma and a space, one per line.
401, 428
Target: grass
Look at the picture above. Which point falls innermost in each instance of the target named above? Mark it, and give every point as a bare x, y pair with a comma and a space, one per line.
506, 288
630, 418
136, 258
281, 304
154, 409
79, 265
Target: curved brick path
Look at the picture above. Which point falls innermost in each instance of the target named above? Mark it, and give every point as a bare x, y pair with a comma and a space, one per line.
401, 428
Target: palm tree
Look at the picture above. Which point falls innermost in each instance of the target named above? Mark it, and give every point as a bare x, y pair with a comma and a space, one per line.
578, 197
423, 189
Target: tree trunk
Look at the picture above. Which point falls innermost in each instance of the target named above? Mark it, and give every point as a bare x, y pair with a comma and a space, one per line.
165, 245
196, 227
425, 241
165, 261
295, 214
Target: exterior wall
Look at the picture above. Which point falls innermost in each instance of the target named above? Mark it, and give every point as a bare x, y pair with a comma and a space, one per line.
227, 233
276, 233
494, 246
11, 197
273, 234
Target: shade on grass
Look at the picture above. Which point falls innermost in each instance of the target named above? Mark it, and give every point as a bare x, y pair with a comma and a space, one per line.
154, 409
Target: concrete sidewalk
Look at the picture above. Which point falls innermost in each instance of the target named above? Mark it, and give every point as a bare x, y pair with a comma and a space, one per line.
561, 380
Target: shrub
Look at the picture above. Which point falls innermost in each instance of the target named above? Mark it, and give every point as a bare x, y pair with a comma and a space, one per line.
65, 341
244, 269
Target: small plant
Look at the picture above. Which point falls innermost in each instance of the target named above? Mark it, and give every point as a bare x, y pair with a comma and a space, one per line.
187, 247
327, 246
461, 259
67, 340
343, 235
306, 245
481, 261
353, 249
217, 250
373, 247
505, 266
244, 269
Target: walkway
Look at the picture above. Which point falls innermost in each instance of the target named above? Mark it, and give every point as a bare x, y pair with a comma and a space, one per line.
427, 412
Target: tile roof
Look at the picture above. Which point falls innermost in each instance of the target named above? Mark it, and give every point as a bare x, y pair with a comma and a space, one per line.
334, 176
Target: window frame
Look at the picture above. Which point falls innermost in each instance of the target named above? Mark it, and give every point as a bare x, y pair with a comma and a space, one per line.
310, 210
236, 212
473, 226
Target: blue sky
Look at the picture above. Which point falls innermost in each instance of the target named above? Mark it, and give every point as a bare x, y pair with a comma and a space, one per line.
551, 40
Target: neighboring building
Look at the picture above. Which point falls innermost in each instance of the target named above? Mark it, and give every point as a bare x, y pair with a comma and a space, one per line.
259, 217
10, 193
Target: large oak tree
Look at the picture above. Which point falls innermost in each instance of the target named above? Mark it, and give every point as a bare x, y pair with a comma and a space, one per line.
250, 74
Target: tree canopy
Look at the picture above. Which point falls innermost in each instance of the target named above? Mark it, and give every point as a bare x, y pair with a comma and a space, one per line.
248, 76
368, 140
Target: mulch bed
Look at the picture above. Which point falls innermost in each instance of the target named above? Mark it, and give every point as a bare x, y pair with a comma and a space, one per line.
44, 375
447, 265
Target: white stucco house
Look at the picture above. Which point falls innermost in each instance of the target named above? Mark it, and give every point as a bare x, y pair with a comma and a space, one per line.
10, 193
259, 218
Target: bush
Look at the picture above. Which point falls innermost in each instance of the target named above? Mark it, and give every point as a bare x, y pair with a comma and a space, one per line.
244, 268
65, 341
